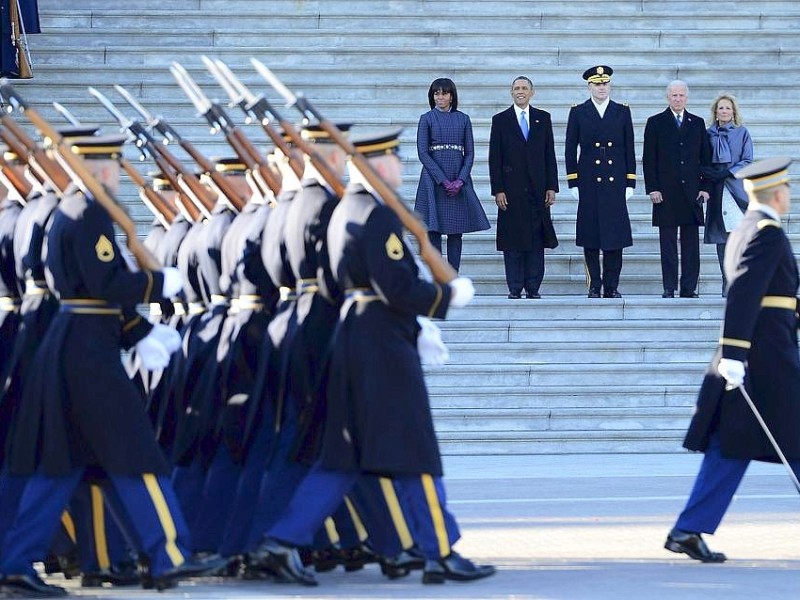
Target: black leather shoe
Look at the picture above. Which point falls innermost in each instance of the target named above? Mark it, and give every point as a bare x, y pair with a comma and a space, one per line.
514, 296
690, 295
354, 559
612, 294
594, 294
193, 567
119, 576
692, 545
668, 294
284, 561
455, 568
28, 586
533, 295
402, 564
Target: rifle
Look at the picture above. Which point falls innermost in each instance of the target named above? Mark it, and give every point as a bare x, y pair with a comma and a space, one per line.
19, 40
258, 108
44, 168
197, 195
222, 185
219, 121
11, 178
441, 270
157, 204
84, 178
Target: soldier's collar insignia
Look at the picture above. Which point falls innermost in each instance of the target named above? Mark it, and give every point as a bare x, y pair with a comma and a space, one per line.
394, 247
104, 249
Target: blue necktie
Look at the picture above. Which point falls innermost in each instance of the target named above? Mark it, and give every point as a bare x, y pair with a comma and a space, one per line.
523, 124
678, 120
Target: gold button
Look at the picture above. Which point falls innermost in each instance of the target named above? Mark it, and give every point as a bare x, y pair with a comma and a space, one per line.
610, 161
597, 162
611, 179
597, 144
599, 179
610, 144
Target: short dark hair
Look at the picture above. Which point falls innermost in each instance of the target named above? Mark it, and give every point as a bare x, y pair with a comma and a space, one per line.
443, 84
530, 83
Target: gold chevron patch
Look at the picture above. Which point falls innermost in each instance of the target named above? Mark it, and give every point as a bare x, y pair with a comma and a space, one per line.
104, 249
394, 247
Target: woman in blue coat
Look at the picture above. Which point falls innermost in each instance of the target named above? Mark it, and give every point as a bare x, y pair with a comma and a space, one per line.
446, 199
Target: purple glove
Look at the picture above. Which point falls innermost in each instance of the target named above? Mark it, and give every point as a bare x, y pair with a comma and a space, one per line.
456, 187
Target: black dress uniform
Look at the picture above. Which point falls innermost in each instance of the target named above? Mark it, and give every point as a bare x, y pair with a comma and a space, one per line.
760, 328
87, 413
603, 172
378, 415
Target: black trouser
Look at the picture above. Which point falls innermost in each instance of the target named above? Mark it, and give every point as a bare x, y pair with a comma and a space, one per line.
525, 268
690, 258
453, 246
612, 266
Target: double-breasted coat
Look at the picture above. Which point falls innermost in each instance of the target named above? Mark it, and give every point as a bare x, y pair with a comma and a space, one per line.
605, 168
673, 160
760, 328
524, 171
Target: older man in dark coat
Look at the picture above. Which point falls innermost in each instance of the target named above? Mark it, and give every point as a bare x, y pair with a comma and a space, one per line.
676, 148
524, 181
759, 335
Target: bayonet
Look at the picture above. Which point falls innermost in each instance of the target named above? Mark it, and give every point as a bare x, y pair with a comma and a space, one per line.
62, 110
157, 123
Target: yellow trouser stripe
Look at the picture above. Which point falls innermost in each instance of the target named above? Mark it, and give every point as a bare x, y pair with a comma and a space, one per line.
399, 520
357, 522
165, 517
99, 526
436, 514
330, 531
735, 343
787, 302
69, 525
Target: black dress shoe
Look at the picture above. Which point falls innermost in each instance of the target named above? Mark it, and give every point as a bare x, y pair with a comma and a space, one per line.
533, 295
612, 294
693, 545
284, 561
690, 295
455, 568
354, 559
594, 294
402, 564
193, 567
28, 586
514, 296
668, 294
119, 576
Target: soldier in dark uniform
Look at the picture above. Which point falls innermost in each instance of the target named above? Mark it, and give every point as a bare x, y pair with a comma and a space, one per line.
601, 179
757, 349
88, 416
378, 417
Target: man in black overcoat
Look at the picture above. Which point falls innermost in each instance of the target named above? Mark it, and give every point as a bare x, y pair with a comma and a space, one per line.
524, 180
601, 179
676, 148
757, 349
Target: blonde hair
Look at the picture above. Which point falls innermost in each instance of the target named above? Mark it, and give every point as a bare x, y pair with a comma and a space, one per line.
737, 116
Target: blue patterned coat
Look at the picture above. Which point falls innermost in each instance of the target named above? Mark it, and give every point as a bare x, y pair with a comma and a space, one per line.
446, 151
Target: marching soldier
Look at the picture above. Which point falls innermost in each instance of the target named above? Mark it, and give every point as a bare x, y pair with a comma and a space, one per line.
375, 378
601, 179
757, 349
69, 423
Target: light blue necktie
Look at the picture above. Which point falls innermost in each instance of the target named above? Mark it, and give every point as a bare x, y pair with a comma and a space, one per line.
523, 124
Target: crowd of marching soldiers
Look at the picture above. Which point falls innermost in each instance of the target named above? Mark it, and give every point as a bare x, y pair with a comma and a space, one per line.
271, 417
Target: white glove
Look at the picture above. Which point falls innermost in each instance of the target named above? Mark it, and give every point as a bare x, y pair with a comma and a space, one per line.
732, 371
173, 282
575, 193
430, 346
628, 192
463, 291
152, 353
169, 338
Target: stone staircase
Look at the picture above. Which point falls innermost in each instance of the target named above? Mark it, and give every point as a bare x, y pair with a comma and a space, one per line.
564, 374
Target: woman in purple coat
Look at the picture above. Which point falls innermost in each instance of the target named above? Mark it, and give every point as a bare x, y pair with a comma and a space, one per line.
446, 199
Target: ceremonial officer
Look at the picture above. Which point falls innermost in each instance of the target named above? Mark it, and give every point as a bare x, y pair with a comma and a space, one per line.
378, 414
757, 349
71, 423
601, 178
